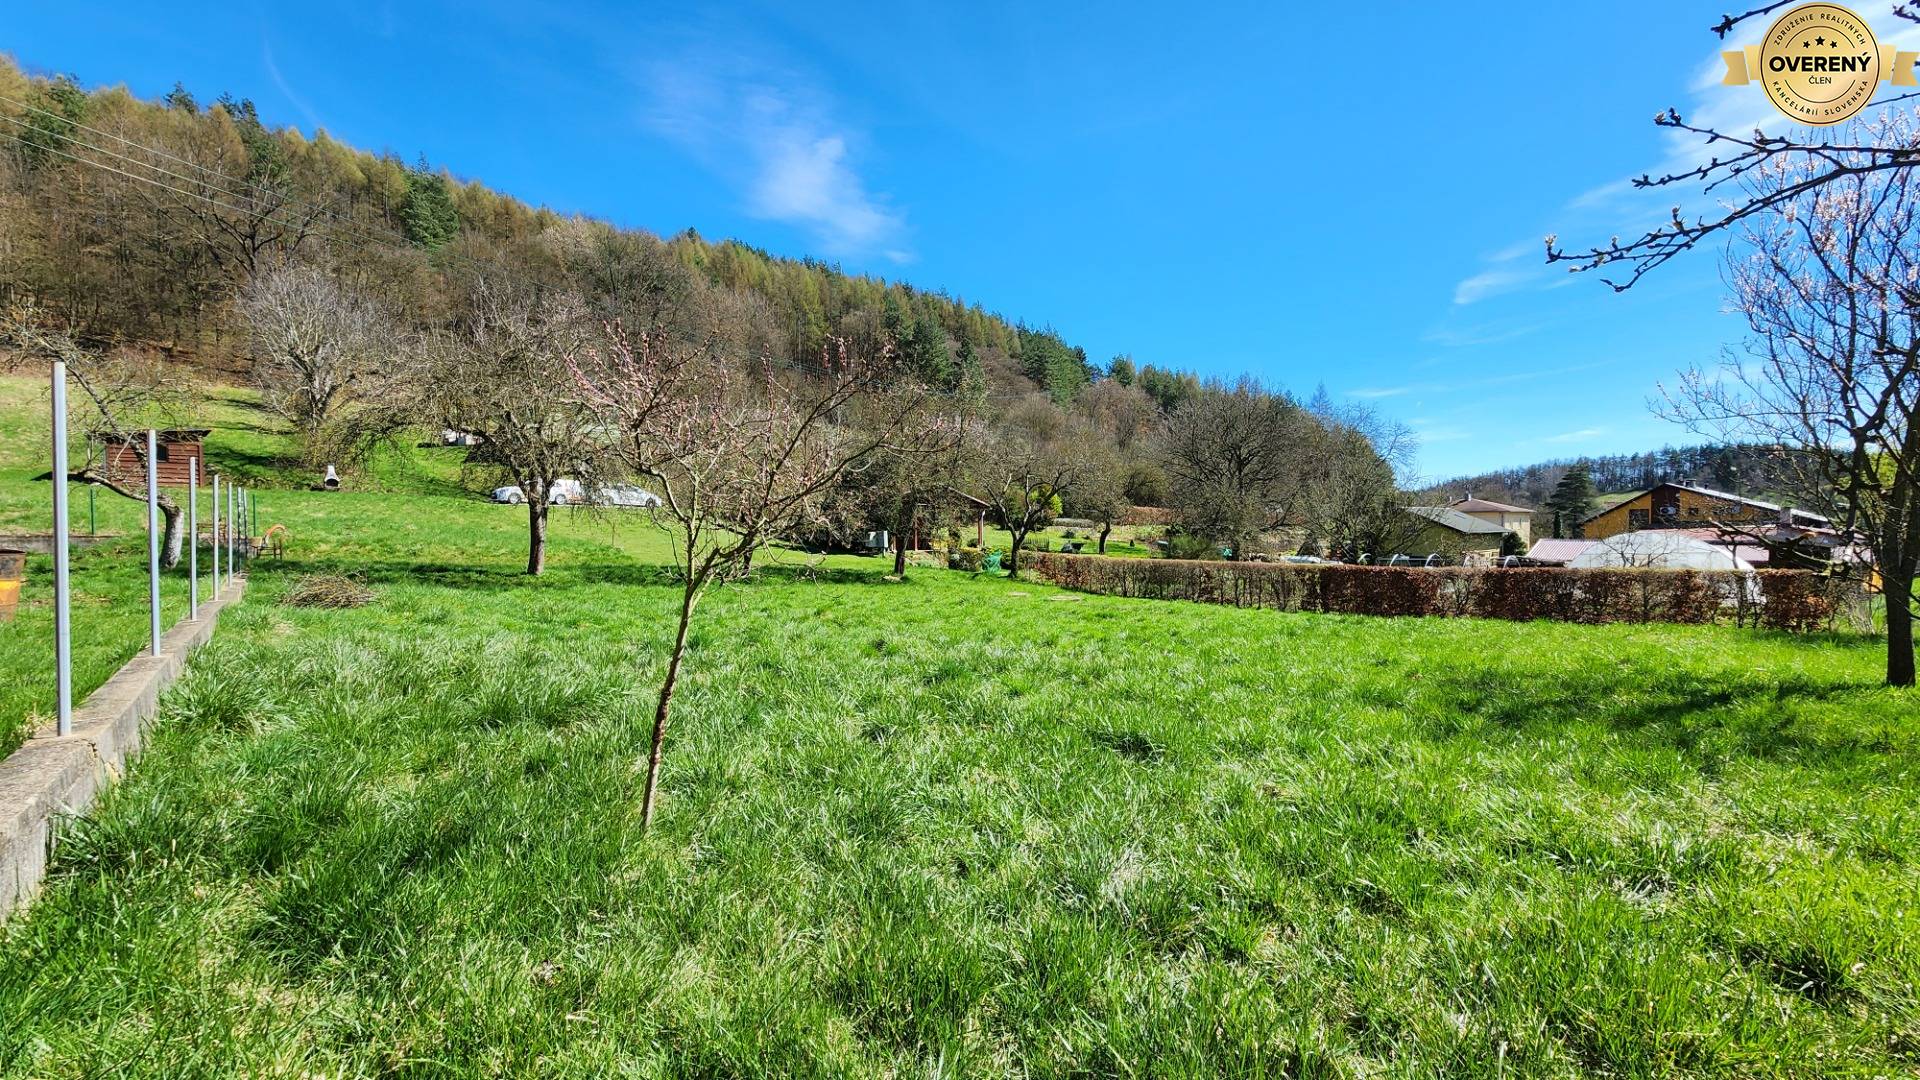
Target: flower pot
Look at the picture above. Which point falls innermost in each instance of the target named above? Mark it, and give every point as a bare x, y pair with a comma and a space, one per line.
13, 567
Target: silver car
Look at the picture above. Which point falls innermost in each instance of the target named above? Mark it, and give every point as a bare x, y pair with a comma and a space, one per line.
625, 495
564, 492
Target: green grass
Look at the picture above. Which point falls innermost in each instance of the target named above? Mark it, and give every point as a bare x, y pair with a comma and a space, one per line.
1126, 541
109, 582
970, 827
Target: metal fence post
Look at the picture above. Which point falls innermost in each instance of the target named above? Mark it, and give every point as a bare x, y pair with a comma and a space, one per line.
193, 538
231, 489
62, 629
153, 538
213, 537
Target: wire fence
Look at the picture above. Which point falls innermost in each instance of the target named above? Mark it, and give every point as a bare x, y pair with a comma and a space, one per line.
230, 535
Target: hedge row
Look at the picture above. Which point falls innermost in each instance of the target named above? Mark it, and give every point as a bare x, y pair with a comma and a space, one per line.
1776, 599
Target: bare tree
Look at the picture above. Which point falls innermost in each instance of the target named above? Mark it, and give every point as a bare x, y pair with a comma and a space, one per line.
1354, 458
123, 394
1023, 466
901, 484
239, 197
741, 457
506, 375
315, 342
1829, 281
1235, 458
1100, 491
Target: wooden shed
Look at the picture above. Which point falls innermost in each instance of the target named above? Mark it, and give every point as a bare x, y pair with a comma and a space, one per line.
127, 458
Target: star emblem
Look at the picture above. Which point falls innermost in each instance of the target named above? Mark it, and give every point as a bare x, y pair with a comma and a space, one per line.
1819, 41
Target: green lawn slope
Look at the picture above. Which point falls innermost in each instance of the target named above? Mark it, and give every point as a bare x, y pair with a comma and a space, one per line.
961, 826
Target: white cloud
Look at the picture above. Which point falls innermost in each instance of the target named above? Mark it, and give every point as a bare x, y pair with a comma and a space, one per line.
1506, 377
1581, 435
1484, 334
804, 177
1489, 283
286, 88
775, 137
1510, 269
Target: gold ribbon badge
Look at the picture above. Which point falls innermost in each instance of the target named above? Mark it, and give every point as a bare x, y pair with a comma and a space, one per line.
1896, 66
1819, 64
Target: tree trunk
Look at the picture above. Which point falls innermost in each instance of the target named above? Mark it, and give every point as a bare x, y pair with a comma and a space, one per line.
171, 522
1899, 630
536, 536
687, 601
1013, 554
170, 512
1105, 528
1898, 545
902, 519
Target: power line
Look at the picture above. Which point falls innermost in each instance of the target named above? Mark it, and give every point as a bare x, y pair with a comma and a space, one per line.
222, 179
340, 227
269, 217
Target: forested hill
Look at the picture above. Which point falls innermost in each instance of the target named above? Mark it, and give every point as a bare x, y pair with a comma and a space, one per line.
136, 221
1743, 470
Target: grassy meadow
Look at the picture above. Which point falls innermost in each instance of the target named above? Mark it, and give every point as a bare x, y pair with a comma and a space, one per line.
960, 826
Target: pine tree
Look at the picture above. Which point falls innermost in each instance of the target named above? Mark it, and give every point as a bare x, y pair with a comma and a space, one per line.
181, 99
1571, 498
429, 214
927, 354
971, 375
1120, 370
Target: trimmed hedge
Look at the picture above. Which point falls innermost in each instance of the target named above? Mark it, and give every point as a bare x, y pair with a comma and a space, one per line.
1775, 599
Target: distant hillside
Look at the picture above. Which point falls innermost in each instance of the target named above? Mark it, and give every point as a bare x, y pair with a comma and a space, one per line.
1742, 470
136, 220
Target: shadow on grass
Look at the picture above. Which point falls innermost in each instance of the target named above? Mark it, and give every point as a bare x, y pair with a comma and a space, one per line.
1703, 715
251, 464
503, 577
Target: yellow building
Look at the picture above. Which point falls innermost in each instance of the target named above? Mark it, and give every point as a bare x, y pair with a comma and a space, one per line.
1683, 506
1514, 519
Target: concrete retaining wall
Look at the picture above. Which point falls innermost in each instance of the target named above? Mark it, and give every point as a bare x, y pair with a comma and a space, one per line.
42, 543
52, 777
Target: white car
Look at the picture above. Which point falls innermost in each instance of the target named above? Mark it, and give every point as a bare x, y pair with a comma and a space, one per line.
564, 492
625, 495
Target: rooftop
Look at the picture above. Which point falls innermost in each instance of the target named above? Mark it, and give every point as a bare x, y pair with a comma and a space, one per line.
1471, 505
1551, 550
1448, 517
1712, 493
139, 438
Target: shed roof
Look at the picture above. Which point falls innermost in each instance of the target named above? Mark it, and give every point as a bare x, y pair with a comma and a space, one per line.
170, 435
1551, 550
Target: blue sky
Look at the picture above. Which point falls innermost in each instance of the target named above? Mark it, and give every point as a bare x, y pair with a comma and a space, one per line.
1354, 198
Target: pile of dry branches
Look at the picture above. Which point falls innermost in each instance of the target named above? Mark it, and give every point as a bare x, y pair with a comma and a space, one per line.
328, 591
